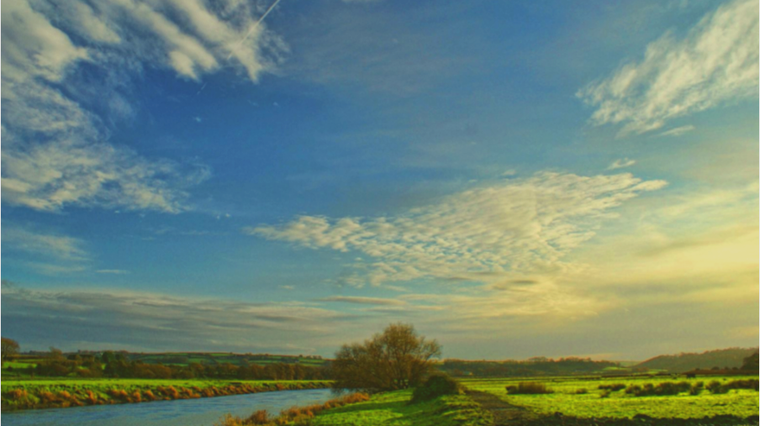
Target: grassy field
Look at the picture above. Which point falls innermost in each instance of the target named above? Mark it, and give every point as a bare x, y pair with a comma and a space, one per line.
22, 394
394, 409
568, 398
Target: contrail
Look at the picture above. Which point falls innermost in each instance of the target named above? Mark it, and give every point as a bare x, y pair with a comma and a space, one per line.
199, 92
253, 27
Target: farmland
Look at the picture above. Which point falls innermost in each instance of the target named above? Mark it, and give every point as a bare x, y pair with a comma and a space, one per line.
581, 397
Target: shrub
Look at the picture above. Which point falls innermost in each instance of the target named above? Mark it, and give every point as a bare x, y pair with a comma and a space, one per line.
696, 388
612, 387
714, 387
581, 391
527, 388
717, 388
229, 420
662, 389
258, 418
435, 386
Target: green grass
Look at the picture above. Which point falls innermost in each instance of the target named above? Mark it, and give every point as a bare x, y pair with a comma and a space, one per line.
394, 409
741, 403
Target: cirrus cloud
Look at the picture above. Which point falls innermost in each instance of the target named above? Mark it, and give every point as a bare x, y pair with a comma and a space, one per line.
521, 226
56, 150
715, 63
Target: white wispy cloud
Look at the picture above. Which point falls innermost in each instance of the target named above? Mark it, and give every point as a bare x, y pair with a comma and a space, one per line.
678, 131
54, 246
520, 226
56, 152
362, 300
112, 271
49, 176
621, 163
715, 63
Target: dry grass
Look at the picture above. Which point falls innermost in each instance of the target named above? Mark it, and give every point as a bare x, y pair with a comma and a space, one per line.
293, 414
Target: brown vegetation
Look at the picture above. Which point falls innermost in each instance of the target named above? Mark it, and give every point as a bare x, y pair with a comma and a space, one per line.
296, 415
19, 398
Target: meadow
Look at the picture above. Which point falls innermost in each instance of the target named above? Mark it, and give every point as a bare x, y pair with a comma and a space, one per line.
581, 397
395, 409
62, 393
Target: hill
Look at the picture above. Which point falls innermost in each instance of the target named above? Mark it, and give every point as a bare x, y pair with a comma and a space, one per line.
721, 358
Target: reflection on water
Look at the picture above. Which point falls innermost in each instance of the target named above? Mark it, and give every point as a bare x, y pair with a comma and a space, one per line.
185, 412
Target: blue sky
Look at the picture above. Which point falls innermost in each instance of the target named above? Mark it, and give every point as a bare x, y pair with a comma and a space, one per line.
514, 178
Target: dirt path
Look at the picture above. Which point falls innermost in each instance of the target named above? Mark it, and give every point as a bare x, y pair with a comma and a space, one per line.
504, 413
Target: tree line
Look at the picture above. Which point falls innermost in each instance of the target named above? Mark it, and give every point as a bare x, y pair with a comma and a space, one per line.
538, 366
117, 365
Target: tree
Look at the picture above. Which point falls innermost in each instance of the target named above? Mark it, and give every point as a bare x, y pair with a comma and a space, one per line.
751, 362
9, 348
397, 358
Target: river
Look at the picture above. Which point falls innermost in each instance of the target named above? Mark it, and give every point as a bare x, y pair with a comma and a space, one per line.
183, 412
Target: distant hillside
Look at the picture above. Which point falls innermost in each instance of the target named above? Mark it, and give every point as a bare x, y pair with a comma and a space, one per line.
722, 358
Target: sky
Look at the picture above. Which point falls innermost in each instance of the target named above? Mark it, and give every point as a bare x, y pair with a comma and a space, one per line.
515, 179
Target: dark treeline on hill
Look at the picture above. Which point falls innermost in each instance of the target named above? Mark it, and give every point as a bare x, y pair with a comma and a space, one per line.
724, 359
117, 365
539, 366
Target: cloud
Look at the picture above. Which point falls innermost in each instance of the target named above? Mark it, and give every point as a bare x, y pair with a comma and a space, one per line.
714, 64
58, 247
54, 269
678, 131
520, 226
363, 300
55, 150
158, 322
112, 271
49, 176
619, 164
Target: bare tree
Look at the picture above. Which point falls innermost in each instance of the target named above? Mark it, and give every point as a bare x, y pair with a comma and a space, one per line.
397, 358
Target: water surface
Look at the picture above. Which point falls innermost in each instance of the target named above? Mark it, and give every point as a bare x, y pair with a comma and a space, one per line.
183, 412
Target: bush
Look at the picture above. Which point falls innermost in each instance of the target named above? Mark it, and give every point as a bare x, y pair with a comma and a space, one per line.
435, 386
528, 388
581, 391
696, 388
259, 417
613, 387
716, 387
662, 389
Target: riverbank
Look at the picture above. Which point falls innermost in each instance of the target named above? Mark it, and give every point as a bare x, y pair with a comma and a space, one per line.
38, 394
396, 409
